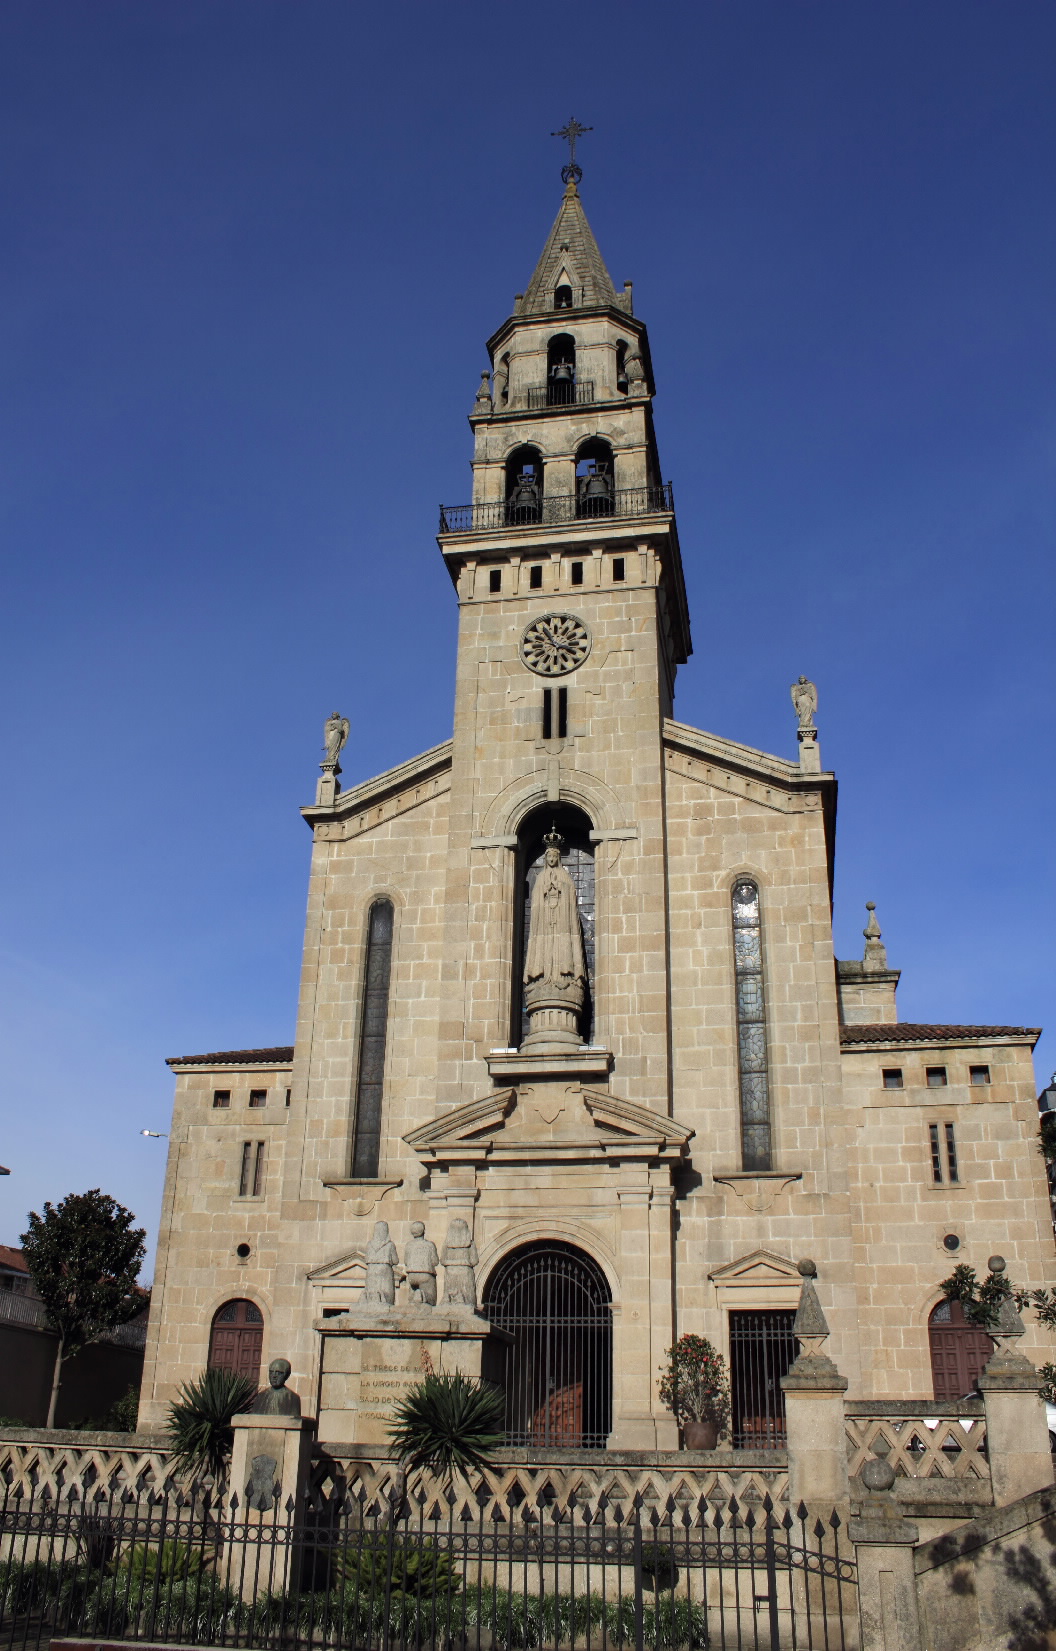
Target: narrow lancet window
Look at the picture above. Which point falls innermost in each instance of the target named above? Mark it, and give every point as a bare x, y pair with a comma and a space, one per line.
366, 1141
751, 1027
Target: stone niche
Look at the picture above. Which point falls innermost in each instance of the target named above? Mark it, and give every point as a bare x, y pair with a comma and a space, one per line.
372, 1357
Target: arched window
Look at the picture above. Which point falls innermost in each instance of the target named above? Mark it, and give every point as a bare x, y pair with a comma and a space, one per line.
561, 370
502, 381
524, 486
959, 1351
236, 1339
594, 479
751, 1026
577, 857
554, 1301
374, 1021
621, 367
563, 297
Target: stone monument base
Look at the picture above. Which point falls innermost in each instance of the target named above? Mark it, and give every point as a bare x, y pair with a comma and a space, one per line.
372, 1356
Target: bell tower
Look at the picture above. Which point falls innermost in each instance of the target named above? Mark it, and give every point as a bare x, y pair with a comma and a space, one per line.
572, 623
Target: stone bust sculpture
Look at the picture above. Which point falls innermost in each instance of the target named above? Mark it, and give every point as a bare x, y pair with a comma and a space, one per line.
277, 1399
420, 1261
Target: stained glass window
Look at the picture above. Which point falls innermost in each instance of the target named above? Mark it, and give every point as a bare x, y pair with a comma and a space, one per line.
751, 1027
366, 1143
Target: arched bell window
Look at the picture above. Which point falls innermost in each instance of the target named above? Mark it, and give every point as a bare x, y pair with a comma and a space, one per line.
524, 486
595, 485
561, 370
577, 857
374, 1025
236, 1338
563, 297
752, 1061
621, 367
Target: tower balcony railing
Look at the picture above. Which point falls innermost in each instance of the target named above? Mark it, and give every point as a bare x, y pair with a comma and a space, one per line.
561, 393
554, 509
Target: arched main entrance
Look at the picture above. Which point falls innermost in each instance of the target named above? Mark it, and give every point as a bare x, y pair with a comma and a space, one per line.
959, 1351
237, 1338
555, 1303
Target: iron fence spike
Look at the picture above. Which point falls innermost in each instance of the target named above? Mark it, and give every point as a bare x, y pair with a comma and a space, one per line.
802, 1512
819, 1529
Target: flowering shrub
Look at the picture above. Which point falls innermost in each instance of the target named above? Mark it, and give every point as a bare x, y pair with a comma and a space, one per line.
693, 1384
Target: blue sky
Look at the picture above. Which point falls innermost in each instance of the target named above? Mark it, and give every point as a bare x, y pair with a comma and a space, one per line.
251, 252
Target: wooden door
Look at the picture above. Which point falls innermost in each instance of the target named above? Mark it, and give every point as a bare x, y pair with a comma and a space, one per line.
959, 1351
237, 1339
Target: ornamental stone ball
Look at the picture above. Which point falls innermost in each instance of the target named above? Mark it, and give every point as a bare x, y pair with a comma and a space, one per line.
277, 1399
996, 1263
878, 1475
807, 1268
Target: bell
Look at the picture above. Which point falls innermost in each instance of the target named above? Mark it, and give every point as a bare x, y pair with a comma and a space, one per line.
597, 485
562, 372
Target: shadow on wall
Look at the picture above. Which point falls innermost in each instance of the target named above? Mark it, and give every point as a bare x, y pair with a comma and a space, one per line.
992, 1582
92, 1381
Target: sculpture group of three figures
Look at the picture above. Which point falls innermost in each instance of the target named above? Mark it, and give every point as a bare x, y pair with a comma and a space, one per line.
420, 1261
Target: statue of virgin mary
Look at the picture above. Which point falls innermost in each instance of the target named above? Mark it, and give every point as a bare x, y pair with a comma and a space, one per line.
555, 967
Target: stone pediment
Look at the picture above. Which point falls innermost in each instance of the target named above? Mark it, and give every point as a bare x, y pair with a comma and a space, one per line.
761, 1268
348, 1266
338, 1283
549, 1123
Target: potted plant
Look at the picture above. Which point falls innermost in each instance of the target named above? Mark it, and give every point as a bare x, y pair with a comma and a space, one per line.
694, 1386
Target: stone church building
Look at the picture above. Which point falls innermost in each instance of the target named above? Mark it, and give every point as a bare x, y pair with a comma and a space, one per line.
687, 1096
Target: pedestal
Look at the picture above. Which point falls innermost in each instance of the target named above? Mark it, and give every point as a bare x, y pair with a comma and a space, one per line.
1017, 1435
888, 1610
817, 1442
371, 1358
269, 1472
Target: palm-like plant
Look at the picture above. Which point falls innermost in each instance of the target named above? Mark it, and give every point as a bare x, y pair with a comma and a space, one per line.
199, 1422
448, 1423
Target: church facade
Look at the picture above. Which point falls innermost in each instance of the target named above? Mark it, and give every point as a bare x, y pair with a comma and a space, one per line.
569, 979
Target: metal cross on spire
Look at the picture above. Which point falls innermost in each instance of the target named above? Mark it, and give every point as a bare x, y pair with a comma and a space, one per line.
571, 173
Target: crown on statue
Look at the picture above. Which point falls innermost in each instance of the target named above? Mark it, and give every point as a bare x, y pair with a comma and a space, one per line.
554, 839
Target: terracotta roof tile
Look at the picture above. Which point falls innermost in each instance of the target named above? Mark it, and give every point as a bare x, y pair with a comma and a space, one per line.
916, 1032
237, 1057
13, 1259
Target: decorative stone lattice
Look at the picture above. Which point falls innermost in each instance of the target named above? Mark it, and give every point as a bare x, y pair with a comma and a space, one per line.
920, 1447
29, 1465
555, 644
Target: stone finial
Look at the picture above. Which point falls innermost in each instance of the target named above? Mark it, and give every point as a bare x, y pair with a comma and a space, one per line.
482, 402
875, 950
1009, 1323
810, 1323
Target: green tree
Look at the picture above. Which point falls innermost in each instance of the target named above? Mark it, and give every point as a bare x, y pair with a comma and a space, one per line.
84, 1257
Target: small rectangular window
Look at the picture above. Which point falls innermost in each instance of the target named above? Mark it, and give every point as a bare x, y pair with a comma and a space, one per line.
892, 1077
495, 580
577, 573
951, 1153
258, 1097
535, 577
978, 1074
251, 1178
289, 1092
548, 713
618, 570
562, 713
936, 1155
221, 1097
936, 1076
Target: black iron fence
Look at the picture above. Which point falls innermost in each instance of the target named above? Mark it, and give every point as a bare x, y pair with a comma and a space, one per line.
439, 1571
555, 508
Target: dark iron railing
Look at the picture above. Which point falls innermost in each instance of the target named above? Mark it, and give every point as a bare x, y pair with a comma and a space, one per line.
561, 393
445, 1567
762, 1349
556, 508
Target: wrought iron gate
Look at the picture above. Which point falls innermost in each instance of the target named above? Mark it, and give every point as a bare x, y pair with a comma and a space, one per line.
554, 1301
762, 1348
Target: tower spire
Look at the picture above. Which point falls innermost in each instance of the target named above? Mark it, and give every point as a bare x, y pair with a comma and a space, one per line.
571, 257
